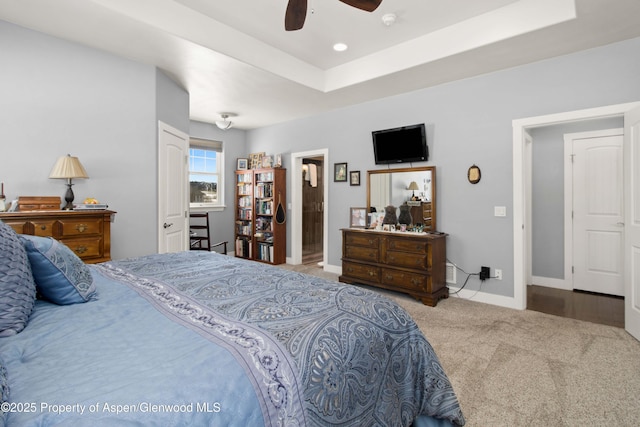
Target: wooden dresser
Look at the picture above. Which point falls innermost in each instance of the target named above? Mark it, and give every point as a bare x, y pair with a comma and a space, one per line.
87, 233
413, 263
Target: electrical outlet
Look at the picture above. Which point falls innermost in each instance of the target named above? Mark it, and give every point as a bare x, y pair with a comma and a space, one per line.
498, 274
485, 272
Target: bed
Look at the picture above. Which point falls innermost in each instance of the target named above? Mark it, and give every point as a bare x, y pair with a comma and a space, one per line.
198, 338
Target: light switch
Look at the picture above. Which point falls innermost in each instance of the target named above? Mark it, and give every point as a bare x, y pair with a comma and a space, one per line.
500, 211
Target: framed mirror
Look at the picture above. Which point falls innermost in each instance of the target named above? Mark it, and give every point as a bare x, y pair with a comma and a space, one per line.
414, 186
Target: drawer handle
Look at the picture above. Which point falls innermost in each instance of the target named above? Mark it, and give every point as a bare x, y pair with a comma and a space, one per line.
43, 227
81, 249
81, 227
372, 273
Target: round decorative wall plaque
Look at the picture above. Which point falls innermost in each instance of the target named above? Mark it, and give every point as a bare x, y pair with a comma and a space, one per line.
473, 174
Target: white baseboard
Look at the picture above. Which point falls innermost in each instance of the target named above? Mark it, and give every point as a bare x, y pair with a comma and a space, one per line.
337, 269
484, 297
551, 282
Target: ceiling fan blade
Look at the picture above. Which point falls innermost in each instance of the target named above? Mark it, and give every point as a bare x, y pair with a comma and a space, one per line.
368, 5
295, 15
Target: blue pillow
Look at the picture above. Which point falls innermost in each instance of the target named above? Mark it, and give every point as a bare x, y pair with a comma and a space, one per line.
17, 287
61, 277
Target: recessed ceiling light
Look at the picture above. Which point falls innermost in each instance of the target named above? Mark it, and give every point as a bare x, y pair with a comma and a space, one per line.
340, 47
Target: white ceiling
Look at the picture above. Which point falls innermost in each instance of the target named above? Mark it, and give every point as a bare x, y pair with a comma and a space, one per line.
235, 56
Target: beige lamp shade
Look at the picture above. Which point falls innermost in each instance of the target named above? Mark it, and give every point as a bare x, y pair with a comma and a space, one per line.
68, 167
413, 187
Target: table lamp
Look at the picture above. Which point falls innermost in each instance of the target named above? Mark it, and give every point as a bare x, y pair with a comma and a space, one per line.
68, 167
413, 187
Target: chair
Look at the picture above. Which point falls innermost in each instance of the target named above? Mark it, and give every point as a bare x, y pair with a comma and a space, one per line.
199, 233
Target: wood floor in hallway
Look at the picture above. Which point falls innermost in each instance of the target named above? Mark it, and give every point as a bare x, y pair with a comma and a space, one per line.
592, 307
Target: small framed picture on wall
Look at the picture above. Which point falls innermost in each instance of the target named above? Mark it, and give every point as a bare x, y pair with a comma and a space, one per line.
340, 172
354, 178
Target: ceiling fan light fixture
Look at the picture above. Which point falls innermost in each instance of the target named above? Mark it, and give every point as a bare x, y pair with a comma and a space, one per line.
225, 124
389, 19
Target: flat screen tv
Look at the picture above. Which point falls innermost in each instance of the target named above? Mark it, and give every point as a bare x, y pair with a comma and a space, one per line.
399, 145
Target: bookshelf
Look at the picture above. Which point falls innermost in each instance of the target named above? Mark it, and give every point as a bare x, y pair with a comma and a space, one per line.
260, 233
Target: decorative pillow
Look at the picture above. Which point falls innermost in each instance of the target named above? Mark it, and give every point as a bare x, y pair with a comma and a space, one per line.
61, 277
17, 287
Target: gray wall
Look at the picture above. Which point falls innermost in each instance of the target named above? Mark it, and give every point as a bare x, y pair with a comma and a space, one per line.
468, 122
60, 97
548, 193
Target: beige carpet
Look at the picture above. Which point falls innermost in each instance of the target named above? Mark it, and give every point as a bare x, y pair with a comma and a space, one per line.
524, 368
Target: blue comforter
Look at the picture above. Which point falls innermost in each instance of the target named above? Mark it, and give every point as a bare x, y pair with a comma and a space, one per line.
215, 340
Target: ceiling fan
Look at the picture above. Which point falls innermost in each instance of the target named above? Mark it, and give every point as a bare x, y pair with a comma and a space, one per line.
297, 11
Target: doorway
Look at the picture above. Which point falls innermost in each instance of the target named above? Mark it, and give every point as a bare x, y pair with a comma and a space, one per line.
575, 209
297, 209
313, 171
522, 181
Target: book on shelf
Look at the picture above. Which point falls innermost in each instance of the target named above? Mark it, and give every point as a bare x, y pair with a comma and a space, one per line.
265, 252
244, 177
244, 214
243, 248
264, 176
264, 207
264, 190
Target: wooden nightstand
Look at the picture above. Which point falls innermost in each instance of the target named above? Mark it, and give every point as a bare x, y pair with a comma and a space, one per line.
87, 233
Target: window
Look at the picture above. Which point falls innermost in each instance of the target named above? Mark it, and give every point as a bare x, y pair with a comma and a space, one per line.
206, 174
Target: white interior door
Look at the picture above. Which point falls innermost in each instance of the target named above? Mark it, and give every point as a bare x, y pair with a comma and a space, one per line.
632, 229
598, 203
173, 195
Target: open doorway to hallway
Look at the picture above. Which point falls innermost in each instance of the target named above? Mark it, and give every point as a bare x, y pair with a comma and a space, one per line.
319, 206
564, 252
312, 209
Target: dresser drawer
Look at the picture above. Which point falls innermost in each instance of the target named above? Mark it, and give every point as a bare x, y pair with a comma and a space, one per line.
80, 226
88, 247
18, 226
361, 253
41, 227
405, 280
364, 240
420, 261
408, 245
361, 271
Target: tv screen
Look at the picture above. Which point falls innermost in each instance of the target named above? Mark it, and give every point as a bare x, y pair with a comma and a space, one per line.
398, 145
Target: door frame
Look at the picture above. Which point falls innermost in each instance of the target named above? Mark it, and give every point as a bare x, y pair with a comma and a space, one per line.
569, 138
296, 205
522, 233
